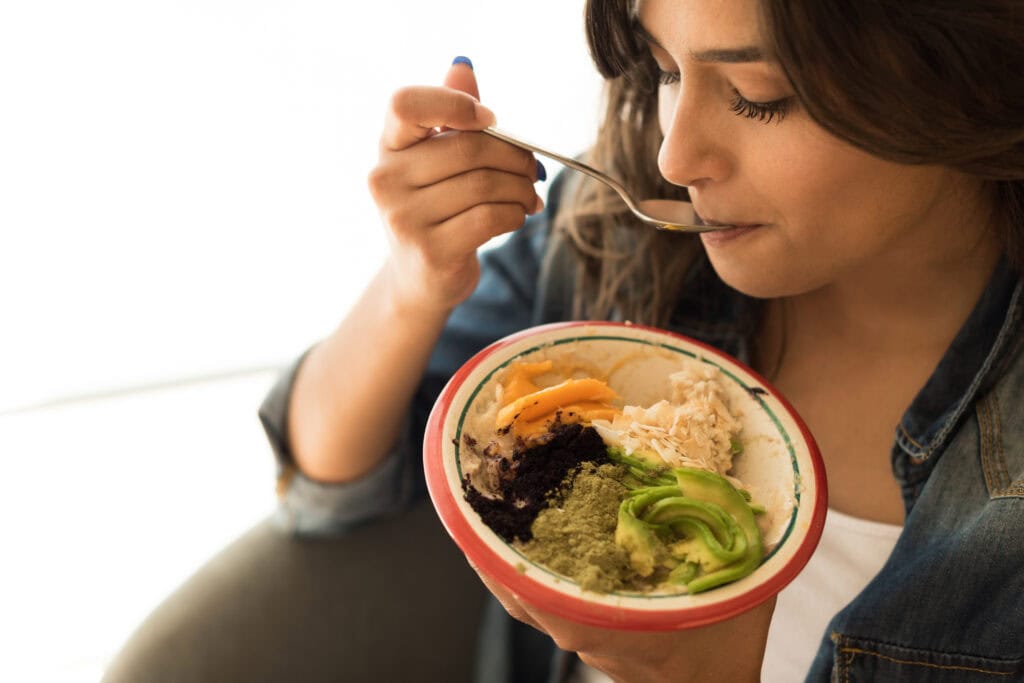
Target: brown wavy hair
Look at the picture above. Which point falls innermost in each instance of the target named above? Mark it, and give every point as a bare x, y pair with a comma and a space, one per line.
911, 81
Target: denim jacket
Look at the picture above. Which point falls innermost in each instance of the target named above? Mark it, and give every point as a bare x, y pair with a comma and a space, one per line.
949, 603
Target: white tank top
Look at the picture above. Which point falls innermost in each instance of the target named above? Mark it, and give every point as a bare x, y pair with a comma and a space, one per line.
851, 551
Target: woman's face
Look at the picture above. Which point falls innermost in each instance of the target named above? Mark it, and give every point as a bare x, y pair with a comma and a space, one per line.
816, 211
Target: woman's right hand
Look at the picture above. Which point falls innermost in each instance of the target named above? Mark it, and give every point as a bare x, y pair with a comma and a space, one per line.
444, 194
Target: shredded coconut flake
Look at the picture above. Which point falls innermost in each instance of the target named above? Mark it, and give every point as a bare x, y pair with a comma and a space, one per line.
694, 429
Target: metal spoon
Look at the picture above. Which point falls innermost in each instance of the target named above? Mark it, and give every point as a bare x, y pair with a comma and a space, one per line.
664, 214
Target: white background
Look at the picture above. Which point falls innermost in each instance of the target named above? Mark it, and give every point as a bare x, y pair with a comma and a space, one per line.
182, 211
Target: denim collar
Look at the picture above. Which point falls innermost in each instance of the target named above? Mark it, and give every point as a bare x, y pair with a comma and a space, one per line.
987, 342
718, 315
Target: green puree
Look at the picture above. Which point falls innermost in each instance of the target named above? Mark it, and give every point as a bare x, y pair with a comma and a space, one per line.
626, 526
576, 536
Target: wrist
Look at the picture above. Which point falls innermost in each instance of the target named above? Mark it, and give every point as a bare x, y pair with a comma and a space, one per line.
419, 301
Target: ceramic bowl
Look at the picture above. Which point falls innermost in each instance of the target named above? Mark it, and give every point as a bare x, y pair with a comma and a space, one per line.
780, 461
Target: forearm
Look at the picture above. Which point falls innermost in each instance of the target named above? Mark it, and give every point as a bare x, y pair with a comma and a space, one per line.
353, 390
441, 197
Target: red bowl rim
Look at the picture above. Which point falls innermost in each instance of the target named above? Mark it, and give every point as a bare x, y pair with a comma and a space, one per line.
498, 569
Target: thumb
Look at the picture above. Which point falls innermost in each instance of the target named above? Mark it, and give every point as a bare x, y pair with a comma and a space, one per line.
461, 77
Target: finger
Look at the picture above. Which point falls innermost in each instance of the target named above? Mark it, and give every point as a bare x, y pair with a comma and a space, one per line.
445, 156
446, 248
609, 667
415, 111
461, 77
509, 601
451, 153
437, 203
570, 636
484, 195
465, 233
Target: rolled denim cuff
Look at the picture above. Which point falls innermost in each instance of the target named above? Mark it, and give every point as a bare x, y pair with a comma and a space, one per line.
311, 508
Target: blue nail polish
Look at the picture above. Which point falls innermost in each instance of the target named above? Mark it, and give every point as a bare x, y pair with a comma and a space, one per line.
462, 60
542, 173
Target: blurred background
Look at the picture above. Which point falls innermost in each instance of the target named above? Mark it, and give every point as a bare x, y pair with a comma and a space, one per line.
183, 210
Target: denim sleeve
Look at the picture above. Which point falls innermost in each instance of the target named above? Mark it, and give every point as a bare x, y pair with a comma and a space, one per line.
503, 302
307, 507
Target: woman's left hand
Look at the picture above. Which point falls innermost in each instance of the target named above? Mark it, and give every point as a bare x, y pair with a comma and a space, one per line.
729, 650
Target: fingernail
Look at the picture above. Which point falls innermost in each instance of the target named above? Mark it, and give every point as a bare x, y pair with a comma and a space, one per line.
542, 173
462, 60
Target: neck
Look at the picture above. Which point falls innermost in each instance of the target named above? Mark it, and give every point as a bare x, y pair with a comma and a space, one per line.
909, 310
912, 310
916, 297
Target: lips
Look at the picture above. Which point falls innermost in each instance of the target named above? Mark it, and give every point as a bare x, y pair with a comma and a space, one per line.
734, 224
736, 230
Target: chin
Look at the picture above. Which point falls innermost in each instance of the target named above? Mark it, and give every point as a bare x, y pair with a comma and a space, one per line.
763, 278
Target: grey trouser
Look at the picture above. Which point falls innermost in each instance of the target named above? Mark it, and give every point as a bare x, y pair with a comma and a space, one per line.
392, 601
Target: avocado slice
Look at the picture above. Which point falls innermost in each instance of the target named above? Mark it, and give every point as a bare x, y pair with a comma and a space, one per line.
640, 539
712, 488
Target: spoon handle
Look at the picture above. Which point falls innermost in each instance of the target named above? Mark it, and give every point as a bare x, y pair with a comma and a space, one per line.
565, 161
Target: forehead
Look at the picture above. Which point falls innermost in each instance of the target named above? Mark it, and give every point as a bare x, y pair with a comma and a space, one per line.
701, 24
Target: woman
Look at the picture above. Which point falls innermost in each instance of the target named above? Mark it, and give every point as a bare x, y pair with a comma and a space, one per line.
871, 157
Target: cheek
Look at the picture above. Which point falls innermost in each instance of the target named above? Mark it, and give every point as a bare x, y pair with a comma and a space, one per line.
812, 179
820, 195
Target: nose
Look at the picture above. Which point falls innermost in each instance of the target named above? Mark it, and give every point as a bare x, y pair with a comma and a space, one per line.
692, 153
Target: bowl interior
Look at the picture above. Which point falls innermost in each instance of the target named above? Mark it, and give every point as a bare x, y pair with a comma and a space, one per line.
780, 465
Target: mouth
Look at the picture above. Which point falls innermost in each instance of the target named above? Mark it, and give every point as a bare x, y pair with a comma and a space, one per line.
731, 225
731, 230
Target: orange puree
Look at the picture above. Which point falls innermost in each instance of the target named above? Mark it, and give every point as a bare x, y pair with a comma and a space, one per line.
530, 410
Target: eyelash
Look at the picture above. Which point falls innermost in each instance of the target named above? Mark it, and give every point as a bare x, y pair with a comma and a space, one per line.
667, 77
764, 112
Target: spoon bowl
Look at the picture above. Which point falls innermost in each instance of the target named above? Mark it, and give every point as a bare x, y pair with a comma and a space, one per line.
664, 214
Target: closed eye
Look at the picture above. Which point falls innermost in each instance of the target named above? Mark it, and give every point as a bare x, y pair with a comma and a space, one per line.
765, 112
667, 77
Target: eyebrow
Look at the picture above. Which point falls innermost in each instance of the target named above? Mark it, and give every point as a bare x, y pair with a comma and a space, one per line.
738, 55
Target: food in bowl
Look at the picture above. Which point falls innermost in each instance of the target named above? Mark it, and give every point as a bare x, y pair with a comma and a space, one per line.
612, 495
774, 460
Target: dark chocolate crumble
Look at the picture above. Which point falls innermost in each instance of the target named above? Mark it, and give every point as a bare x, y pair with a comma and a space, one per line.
534, 478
